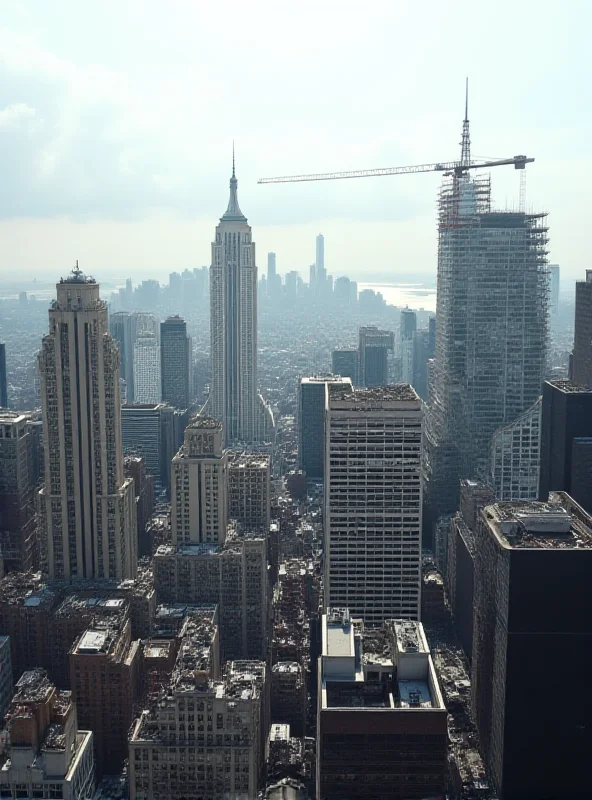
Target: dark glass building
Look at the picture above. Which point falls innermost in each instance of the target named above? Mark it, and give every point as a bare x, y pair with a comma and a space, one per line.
175, 362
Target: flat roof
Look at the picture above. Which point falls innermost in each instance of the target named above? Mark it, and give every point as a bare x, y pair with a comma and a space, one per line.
530, 524
394, 391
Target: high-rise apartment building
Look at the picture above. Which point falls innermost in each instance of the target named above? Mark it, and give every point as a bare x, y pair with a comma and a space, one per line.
532, 634
312, 402
372, 502
3, 378
381, 718
175, 362
374, 346
516, 457
234, 399
18, 529
344, 362
46, 754
491, 332
582, 351
249, 490
146, 368
87, 507
566, 428
199, 505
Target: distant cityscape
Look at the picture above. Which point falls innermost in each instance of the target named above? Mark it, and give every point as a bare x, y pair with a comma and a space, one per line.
270, 535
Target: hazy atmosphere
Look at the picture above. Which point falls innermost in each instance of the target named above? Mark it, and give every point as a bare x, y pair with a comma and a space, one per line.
117, 121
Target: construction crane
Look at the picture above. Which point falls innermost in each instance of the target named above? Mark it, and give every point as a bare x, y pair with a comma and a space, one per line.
456, 168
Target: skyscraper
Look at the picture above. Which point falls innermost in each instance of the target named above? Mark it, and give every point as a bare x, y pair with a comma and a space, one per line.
372, 502
175, 362
554, 281
374, 346
516, 457
3, 380
532, 633
408, 329
125, 327
271, 271
199, 504
146, 368
320, 271
582, 352
312, 402
234, 399
491, 332
87, 508
566, 436
344, 362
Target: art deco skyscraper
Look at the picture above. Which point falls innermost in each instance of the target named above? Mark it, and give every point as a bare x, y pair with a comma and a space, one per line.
87, 507
233, 319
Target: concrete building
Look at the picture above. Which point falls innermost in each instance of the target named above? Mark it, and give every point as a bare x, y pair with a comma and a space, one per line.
45, 755
234, 399
491, 332
374, 347
344, 362
532, 575
176, 359
6, 684
124, 327
86, 507
289, 695
199, 505
582, 351
372, 502
381, 720
516, 457
3, 379
232, 576
146, 368
202, 735
106, 682
135, 467
407, 332
18, 529
312, 402
249, 490
566, 427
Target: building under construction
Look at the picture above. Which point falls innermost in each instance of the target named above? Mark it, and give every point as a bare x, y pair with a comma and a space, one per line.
491, 333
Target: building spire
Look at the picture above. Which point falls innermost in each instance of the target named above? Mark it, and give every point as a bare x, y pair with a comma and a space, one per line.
465, 144
233, 212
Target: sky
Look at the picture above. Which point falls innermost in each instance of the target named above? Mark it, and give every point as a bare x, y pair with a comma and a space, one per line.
117, 119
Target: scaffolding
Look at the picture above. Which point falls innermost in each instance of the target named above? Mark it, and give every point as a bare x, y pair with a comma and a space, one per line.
491, 332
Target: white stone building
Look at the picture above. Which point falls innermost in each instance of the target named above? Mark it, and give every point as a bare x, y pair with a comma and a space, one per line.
147, 368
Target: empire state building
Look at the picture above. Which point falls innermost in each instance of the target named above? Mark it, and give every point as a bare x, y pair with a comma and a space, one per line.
234, 399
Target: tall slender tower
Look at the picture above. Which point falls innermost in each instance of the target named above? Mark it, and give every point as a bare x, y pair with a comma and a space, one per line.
233, 319
87, 507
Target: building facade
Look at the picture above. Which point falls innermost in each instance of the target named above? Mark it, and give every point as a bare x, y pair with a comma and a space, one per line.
516, 457
565, 427
582, 352
373, 350
234, 398
373, 502
18, 529
312, 403
175, 363
3, 378
344, 362
146, 368
86, 507
532, 599
199, 505
249, 490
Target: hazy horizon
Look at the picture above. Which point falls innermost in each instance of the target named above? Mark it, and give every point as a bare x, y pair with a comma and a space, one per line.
117, 123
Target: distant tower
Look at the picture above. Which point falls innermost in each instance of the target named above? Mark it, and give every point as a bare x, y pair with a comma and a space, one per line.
146, 368
3, 380
175, 362
554, 281
321, 272
271, 273
87, 507
582, 352
234, 399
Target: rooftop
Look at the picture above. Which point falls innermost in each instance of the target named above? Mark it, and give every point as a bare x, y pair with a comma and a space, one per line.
77, 276
569, 387
395, 391
529, 524
209, 423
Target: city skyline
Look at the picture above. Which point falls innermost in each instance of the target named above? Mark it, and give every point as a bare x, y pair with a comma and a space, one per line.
105, 155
